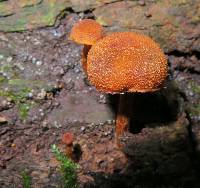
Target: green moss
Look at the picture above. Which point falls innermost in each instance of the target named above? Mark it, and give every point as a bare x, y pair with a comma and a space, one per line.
20, 23
194, 110
29, 15
10, 69
19, 84
24, 84
16, 96
195, 88
2, 79
26, 179
23, 110
6, 68
5, 9
48, 18
18, 90
67, 167
20, 99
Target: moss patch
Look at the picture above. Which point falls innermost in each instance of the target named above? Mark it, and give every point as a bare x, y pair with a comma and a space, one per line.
20, 99
30, 14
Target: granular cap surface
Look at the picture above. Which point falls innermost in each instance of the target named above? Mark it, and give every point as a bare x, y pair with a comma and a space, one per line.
126, 62
87, 32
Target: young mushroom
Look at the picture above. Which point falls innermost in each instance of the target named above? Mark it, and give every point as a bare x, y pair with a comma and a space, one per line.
86, 32
68, 139
126, 62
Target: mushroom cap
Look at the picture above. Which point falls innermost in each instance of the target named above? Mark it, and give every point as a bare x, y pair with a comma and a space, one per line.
68, 138
126, 62
87, 32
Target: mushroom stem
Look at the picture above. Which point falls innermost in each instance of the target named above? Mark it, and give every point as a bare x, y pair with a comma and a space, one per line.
123, 116
69, 151
85, 51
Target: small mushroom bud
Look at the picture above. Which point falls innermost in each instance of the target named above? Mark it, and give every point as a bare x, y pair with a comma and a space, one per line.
68, 139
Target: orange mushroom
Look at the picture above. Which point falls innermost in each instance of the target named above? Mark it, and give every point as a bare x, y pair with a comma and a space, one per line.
68, 139
126, 62
86, 32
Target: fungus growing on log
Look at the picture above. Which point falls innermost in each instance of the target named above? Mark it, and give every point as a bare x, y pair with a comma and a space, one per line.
126, 62
86, 32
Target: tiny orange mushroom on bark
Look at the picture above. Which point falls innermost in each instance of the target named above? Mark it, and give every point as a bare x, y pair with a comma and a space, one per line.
126, 62
68, 139
86, 32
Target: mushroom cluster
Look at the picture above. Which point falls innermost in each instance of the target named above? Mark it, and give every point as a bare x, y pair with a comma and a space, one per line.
121, 62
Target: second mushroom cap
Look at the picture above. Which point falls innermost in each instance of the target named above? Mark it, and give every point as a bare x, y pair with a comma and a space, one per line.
86, 32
